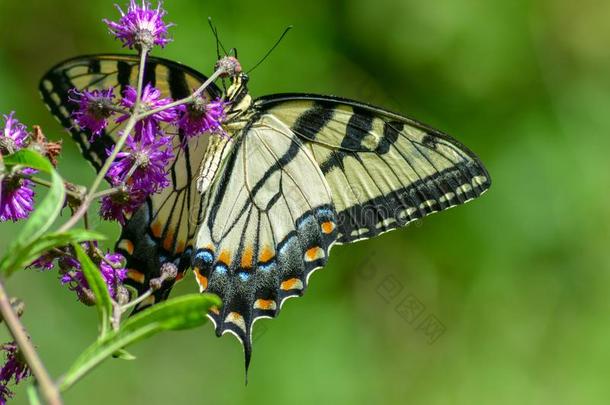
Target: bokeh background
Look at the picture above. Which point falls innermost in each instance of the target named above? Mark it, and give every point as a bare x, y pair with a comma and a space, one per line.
518, 281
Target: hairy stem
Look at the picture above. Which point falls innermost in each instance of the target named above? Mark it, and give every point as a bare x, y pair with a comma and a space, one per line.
105, 193
48, 389
47, 184
135, 302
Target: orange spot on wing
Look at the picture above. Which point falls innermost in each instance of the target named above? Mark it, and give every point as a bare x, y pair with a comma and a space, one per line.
314, 253
265, 305
168, 242
237, 319
225, 258
246, 258
180, 246
136, 276
266, 254
156, 228
291, 284
202, 280
126, 245
328, 227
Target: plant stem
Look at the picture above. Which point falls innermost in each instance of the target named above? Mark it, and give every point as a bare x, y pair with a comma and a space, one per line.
105, 193
185, 100
117, 148
48, 390
138, 300
47, 184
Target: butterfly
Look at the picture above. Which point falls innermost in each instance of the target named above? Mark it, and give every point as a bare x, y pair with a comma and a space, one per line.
255, 215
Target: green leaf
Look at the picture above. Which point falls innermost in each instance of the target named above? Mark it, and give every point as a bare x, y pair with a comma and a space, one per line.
188, 311
24, 257
123, 355
98, 286
47, 211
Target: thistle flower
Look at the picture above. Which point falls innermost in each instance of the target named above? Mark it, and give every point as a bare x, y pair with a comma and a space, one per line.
142, 164
203, 116
14, 135
111, 270
14, 369
140, 27
63, 257
118, 206
151, 100
45, 262
16, 198
94, 109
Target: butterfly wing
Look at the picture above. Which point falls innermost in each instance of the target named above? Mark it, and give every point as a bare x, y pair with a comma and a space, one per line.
384, 170
163, 229
268, 224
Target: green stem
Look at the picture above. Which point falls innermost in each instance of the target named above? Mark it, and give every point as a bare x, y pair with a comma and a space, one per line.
105, 193
135, 302
48, 389
48, 184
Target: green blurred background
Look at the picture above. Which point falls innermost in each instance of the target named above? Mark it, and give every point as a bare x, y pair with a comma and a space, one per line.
519, 279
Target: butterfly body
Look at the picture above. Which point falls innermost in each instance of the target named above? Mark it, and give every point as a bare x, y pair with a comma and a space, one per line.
254, 214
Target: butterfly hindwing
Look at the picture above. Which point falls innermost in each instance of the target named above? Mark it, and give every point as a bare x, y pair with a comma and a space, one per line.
268, 223
163, 229
384, 170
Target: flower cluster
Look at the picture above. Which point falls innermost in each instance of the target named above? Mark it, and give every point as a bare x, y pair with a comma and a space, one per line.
111, 267
140, 168
15, 369
16, 191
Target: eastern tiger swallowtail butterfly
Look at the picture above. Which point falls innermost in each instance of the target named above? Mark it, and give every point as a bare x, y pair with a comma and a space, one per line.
254, 216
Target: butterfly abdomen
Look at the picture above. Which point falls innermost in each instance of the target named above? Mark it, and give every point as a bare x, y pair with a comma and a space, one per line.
218, 148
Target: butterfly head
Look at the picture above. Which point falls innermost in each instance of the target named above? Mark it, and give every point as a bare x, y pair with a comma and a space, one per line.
238, 95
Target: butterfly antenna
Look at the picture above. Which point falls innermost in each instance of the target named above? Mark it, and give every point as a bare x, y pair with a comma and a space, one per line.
219, 45
272, 48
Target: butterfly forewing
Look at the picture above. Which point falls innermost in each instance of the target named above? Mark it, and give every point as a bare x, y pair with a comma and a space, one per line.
384, 170
163, 229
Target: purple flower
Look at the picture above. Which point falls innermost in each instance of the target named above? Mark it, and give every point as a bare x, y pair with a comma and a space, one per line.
151, 100
112, 272
63, 256
141, 165
94, 109
45, 262
203, 116
14, 369
14, 135
119, 206
16, 198
141, 27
